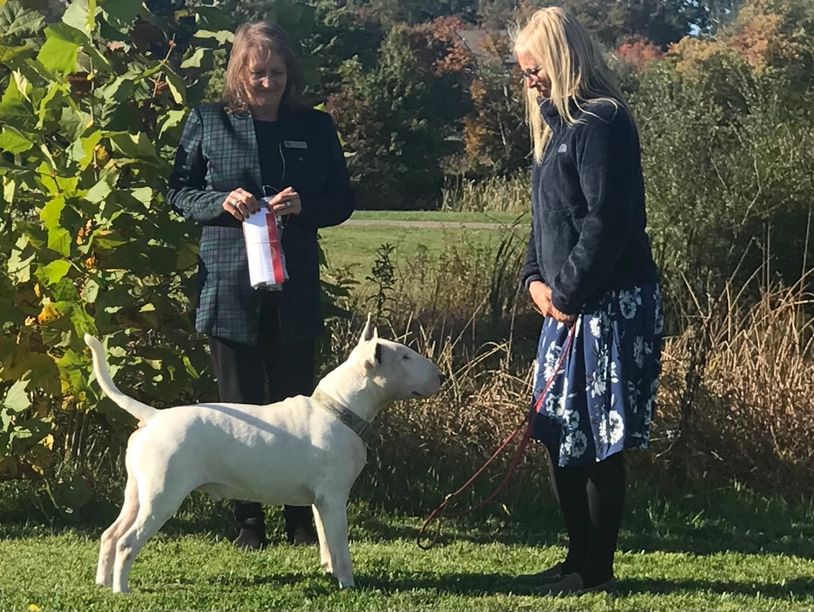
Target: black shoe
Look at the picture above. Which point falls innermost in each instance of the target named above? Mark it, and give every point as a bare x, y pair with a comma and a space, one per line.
252, 535
302, 535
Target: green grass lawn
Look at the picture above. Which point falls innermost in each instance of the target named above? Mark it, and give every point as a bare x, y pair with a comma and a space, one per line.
354, 247
442, 216
723, 551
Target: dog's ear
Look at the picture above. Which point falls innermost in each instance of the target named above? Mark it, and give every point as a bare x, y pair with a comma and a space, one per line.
368, 333
373, 354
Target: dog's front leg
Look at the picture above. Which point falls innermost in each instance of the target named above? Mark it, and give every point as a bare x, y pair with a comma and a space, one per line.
334, 517
324, 550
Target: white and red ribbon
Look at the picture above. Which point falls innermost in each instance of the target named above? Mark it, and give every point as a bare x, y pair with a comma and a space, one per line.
265, 251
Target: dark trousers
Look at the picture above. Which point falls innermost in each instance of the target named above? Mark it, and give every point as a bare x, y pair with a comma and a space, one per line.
260, 374
592, 500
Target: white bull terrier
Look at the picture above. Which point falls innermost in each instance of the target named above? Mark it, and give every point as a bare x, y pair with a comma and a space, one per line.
305, 450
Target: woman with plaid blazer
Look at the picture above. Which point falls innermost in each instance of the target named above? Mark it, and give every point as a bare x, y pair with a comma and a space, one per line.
260, 141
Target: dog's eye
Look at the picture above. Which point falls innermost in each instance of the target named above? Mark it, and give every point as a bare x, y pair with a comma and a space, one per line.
405, 357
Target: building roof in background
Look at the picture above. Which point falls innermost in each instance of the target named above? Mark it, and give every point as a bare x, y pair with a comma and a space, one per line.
479, 43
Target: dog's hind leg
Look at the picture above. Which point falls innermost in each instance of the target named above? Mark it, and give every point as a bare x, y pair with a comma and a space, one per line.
107, 549
324, 550
156, 506
334, 518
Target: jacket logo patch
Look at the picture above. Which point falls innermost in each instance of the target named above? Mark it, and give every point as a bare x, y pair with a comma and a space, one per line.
563, 148
295, 144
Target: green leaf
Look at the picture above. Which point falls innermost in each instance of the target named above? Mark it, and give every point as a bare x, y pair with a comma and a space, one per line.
9, 54
99, 192
99, 61
143, 195
59, 239
54, 271
38, 367
178, 88
90, 291
81, 15
74, 122
120, 89
19, 266
52, 211
82, 149
196, 59
16, 398
55, 95
13, 141
9, 189
211, 18
173, 120
120, 14
136, 146
63, 42
221, 37
19, 22
14, 104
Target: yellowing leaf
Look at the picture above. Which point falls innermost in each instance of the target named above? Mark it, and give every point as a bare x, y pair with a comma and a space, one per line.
48, 313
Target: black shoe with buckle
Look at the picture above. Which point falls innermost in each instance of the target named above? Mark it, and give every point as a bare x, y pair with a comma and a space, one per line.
252, 535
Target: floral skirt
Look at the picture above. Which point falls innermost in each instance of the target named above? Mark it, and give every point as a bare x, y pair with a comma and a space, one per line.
602, 398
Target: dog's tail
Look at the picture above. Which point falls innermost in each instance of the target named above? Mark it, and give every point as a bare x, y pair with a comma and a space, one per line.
142, 412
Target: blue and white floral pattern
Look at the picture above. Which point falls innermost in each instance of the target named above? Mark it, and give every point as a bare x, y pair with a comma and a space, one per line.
603, 396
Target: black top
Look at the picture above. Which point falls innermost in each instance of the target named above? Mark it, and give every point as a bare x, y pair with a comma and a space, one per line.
269, 146
588, 213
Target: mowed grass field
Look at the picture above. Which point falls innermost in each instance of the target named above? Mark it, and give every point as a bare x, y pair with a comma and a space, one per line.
353, 245
725, 550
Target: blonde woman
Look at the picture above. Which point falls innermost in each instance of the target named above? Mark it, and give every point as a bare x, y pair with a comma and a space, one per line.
260, 140
590, 272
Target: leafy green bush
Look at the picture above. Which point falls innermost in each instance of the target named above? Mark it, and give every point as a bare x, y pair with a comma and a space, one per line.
728, 184
91, 109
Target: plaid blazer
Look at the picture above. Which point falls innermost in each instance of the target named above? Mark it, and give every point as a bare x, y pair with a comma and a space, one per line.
218, 153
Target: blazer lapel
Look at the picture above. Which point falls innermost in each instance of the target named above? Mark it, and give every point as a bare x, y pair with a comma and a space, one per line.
246, 142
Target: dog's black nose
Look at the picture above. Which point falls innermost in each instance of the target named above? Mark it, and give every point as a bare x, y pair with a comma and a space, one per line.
442, 378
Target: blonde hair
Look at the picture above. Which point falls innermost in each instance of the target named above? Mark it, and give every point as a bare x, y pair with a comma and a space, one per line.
565, 52
271, 39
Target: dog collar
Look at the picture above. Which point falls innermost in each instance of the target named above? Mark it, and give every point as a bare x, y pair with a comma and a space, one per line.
361, 427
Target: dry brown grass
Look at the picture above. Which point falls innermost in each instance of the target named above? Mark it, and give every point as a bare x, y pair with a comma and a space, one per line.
751, 418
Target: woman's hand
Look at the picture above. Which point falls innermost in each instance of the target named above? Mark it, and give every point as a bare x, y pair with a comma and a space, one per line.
541, 296
240, 204
287, 202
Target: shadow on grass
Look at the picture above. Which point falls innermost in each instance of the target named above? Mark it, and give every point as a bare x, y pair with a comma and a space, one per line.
706, 522
494, 584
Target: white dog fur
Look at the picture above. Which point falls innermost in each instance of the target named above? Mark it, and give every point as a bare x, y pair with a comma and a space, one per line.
297, 453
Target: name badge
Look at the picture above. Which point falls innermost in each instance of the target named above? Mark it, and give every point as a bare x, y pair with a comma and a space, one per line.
295, 144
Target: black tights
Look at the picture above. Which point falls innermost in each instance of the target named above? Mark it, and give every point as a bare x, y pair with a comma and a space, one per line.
592, 500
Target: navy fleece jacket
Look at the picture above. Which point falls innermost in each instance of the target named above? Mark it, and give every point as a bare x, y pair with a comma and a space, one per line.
588, 214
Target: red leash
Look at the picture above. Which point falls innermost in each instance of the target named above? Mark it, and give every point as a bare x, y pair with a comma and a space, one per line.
440, 512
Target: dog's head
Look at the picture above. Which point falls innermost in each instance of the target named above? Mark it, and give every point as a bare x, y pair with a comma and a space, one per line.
398, 370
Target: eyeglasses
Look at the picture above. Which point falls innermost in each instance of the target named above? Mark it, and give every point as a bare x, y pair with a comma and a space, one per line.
272, 75
530, 73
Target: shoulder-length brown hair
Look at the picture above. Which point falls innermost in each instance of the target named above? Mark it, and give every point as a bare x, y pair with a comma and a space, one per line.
271, 38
